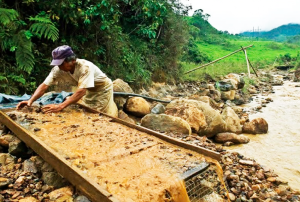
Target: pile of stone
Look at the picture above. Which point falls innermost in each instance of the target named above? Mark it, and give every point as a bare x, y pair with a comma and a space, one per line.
25, 177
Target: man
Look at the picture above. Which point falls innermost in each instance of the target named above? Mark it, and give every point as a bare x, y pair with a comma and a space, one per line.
95, 89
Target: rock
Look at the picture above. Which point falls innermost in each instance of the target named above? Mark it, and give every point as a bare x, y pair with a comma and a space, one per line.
226, 85
4, 182
120, 86
29, 166
53, 179
6, 159
231, 137
282, 190
246, 162
29, 199
17, 148
231, 197
240, 81
232, 121
122, 115
137, 106
20, 181
205, 99
62, 194
214, 120
81, 199
6, 139
166, 123
228, 144
228, 95
158, 109
276, 80
215, 95
189, 113
211, 87
256, 126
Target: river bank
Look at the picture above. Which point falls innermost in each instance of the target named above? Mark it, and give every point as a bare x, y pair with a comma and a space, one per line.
279, 149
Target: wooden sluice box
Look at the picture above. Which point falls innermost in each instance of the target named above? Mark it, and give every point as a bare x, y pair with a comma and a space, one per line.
109, 159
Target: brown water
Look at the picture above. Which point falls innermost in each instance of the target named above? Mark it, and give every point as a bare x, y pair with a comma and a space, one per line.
279, 149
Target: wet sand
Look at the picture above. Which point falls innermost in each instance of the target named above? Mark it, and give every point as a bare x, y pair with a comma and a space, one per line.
279, 149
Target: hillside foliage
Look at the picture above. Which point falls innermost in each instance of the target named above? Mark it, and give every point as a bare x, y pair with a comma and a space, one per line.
135, 40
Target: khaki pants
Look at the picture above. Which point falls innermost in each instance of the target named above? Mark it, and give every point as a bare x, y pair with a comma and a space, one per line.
101, 98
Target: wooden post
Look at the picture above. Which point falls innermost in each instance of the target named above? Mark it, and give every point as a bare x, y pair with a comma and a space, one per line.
243, 48
248, 67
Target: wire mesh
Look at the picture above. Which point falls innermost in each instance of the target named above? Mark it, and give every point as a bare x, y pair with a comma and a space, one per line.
196, 188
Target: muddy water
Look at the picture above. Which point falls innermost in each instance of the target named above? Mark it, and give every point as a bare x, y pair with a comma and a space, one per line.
279, 149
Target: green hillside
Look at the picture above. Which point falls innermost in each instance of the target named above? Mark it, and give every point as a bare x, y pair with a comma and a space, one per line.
263, 54
281, 33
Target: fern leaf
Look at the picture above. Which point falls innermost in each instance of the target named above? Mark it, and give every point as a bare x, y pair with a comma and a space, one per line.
8, 15
24, 55
44, 27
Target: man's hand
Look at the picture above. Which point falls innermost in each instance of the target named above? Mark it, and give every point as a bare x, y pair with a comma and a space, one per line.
52, 108
23, 104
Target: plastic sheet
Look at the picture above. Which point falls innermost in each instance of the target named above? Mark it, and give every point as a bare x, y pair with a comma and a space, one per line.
11, 101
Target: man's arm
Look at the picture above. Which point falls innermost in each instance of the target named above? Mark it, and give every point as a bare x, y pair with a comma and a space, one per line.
73, 99
37, 94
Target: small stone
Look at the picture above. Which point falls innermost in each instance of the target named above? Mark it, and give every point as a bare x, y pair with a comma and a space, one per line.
4, 182
232, 197
246, 162
29, 166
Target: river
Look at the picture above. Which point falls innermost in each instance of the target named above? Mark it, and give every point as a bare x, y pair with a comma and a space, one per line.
279, 149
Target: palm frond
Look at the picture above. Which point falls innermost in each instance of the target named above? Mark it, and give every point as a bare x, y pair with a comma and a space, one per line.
24, 55
44, 27
8, 15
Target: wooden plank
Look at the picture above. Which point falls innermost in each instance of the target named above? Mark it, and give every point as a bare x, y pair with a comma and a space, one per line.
201, 150
92, 190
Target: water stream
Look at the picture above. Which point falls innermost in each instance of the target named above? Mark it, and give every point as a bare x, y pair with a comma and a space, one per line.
279, 149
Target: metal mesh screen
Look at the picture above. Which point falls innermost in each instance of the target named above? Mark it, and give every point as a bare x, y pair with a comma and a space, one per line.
196, 188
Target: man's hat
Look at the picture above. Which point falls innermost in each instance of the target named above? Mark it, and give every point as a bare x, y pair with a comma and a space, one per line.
60, 53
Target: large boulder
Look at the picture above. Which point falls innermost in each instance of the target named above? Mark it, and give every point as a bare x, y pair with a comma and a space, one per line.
166, 123
121, 86
232, 120
256, 126
214, 120
137, 106
231, 137
189, 113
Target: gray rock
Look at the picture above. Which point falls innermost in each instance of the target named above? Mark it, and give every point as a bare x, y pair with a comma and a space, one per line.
81, 199
29, 166
158, 109
17, 148
54, 179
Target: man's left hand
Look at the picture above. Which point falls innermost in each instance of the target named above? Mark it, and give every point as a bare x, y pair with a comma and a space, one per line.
52, 108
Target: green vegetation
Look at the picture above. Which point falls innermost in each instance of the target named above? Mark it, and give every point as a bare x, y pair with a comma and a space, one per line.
138, 41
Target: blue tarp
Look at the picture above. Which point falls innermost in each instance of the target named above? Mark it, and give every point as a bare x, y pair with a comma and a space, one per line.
11, 101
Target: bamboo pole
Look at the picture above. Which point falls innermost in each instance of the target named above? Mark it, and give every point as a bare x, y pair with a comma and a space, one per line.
248, 66
218, 59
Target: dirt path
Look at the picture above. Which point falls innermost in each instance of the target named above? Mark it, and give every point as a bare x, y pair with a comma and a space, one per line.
279, 149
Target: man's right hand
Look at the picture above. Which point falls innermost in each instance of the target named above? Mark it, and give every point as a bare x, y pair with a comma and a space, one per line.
23, 104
